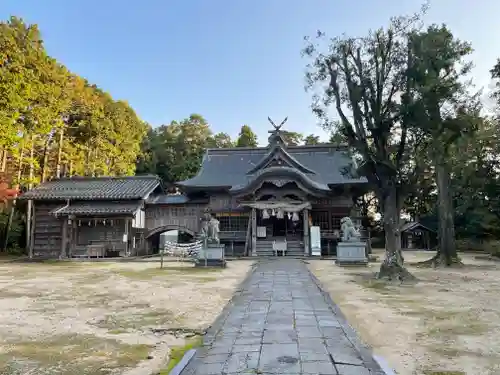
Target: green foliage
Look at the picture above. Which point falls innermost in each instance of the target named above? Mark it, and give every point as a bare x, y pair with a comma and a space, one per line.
16, 233
246, 137
177, 353
292, 138
175, 151
55, 123
222, 140
312, 139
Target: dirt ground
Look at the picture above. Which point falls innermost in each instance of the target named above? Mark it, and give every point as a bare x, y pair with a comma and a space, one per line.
104, 318
446, 324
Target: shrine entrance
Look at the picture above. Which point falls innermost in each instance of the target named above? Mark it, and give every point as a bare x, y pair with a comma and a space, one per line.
288, 225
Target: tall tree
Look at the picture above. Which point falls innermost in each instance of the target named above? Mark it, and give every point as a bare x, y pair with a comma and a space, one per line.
222, 140
292, 138
436, 108
246, 137
174, 151
312, 139
336, 135
364, 78
55, 123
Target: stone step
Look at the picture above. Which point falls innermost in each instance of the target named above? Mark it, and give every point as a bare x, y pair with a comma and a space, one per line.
288, 254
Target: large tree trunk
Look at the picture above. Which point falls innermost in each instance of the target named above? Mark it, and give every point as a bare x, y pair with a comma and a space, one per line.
447, 250
59, 153
392, 267
45, 161
10, 219
29, 211
3, 159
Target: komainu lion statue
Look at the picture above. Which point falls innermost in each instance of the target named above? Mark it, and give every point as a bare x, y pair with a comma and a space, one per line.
349, 232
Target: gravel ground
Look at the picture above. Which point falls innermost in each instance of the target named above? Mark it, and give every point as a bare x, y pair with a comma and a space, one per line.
448, 323
105, 318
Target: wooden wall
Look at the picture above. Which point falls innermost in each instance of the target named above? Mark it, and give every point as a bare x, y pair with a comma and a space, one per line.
97, 232
174, 216
223, 202
47, 231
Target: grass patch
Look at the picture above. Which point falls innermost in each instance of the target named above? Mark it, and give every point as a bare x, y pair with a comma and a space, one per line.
117, 331
136, 321
6, 293
79, 354
5, 258
458, 328
449, 323
178, 352
150, 273
378, 286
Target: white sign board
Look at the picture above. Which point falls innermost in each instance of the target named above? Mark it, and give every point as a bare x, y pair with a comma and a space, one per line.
315, 241
261, 232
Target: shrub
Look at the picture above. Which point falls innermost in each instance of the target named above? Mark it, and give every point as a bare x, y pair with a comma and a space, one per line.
492, 247
16, 240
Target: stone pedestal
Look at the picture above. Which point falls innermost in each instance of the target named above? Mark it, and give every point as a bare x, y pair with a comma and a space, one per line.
351, 253
211, 256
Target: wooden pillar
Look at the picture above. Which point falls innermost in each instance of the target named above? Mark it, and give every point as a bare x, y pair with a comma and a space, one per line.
32, 232
72, 237
306, 232
254, 232
125, 236
64, 239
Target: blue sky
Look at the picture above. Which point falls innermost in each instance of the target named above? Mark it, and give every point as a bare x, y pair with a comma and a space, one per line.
233, 61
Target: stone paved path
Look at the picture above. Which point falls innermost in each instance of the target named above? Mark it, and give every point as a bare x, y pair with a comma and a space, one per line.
281, 323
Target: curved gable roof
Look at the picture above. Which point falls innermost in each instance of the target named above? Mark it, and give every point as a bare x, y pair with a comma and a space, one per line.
279, 173
227, 168
278, 152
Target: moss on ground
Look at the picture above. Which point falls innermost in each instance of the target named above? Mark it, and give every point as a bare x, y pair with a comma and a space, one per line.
175, 272
136, 321
176, 353
68, 354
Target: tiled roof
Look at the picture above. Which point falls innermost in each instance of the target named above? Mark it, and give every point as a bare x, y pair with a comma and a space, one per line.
175, 199
229, 167
415, 225
90, 188
87, 208
168, 199
281, 172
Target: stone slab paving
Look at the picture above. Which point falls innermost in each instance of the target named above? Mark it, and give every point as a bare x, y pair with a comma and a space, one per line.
281, 322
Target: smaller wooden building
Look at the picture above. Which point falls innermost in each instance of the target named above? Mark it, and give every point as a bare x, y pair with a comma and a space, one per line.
79, 216
416, 236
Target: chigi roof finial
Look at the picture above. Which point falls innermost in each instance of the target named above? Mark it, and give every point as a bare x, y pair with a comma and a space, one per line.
276, 127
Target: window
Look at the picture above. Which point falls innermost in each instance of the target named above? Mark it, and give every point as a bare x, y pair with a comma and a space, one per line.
321, 219
336, 222
232, 223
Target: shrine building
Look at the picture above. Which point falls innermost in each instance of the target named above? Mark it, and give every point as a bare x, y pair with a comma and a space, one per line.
293, 195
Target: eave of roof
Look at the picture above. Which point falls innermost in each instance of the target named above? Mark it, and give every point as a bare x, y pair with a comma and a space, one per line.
278, 172
275, 151
98, 208
414, 225
95, 188
223, 169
